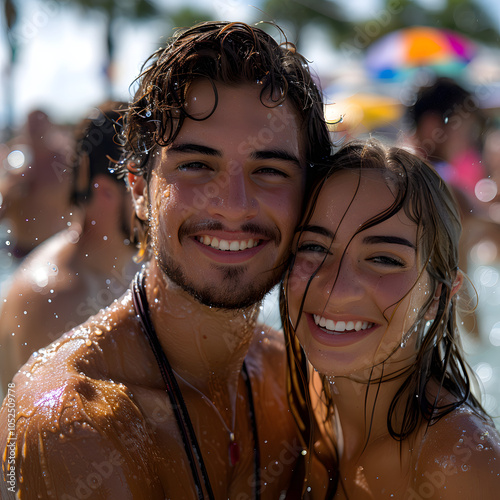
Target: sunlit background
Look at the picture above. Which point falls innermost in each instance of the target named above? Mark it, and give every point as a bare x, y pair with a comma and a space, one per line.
65, 56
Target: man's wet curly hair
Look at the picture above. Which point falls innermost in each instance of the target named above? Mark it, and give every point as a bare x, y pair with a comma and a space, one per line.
230, 53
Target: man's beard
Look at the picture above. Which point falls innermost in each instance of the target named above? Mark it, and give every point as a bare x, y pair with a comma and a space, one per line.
230, 294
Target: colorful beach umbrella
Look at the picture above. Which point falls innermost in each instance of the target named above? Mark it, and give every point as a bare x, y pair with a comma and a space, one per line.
398, 55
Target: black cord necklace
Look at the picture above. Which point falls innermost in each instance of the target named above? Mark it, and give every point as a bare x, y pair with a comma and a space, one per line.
191, 445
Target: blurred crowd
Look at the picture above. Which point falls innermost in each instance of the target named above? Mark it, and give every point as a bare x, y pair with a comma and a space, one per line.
65, 248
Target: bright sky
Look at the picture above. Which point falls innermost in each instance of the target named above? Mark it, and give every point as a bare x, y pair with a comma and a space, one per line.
60, 58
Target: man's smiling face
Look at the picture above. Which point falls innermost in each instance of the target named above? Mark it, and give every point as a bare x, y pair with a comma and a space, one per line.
225, 196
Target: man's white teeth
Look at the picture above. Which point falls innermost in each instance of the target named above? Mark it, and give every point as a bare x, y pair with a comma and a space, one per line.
232, 246
341, 326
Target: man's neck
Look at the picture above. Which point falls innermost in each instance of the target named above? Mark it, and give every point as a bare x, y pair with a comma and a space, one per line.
202, 343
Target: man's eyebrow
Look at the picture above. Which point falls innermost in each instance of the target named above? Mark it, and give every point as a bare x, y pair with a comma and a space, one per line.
194, 148
395, 240
276, 154
316, 229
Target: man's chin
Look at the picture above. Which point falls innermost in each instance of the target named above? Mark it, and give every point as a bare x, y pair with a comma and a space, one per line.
230, 302
233, 293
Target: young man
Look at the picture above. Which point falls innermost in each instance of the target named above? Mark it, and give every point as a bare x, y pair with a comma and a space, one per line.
174, 391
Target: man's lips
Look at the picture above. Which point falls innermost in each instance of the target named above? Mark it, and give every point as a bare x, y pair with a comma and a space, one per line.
228, 245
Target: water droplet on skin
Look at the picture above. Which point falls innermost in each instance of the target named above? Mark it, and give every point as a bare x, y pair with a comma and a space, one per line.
465, 467
88, 342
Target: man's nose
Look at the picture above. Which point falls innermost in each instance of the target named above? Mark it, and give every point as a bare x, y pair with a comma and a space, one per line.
232, 196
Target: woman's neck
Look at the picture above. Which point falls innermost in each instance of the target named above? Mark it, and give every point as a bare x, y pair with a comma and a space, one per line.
362, 412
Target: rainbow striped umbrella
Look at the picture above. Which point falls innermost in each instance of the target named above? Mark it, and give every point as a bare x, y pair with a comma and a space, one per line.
398, 55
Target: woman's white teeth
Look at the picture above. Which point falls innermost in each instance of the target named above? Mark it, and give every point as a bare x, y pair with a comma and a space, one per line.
226, 245
341, 326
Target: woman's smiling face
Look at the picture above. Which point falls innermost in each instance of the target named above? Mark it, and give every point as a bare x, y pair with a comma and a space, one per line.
368, 287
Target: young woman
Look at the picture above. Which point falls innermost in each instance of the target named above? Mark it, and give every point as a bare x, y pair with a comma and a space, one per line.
371, 295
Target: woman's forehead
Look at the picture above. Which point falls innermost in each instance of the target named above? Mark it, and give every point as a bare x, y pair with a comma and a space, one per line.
353, 188
352, 198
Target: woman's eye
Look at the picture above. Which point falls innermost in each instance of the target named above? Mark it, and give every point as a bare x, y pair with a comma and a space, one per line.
313, 247
388, 261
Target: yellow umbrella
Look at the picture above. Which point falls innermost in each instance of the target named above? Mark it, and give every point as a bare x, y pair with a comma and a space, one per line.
362, 112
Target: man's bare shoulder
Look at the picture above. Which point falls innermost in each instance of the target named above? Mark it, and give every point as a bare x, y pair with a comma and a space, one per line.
74, 408
459, 458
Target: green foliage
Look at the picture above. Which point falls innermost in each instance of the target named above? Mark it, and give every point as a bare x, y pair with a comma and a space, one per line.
295, 15
464, 16
186, 16
467, 17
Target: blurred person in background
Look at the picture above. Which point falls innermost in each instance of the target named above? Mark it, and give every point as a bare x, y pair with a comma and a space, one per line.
35, 183
84, 267
446, 128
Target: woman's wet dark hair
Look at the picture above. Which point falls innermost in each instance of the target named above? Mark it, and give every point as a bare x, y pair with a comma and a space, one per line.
427, 201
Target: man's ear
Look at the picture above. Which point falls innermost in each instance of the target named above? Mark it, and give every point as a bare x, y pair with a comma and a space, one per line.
138, 188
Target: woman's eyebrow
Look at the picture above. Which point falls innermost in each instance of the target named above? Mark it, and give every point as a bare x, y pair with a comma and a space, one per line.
396, 240
315, 229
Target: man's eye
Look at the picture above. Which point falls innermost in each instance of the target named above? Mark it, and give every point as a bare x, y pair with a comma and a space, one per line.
271, 171
193, 166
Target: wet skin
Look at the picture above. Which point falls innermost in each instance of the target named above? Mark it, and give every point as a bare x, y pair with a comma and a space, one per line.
96, 419
94, 413
360, 303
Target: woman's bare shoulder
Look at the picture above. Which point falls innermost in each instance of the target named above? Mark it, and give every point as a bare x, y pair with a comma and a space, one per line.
459, 458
